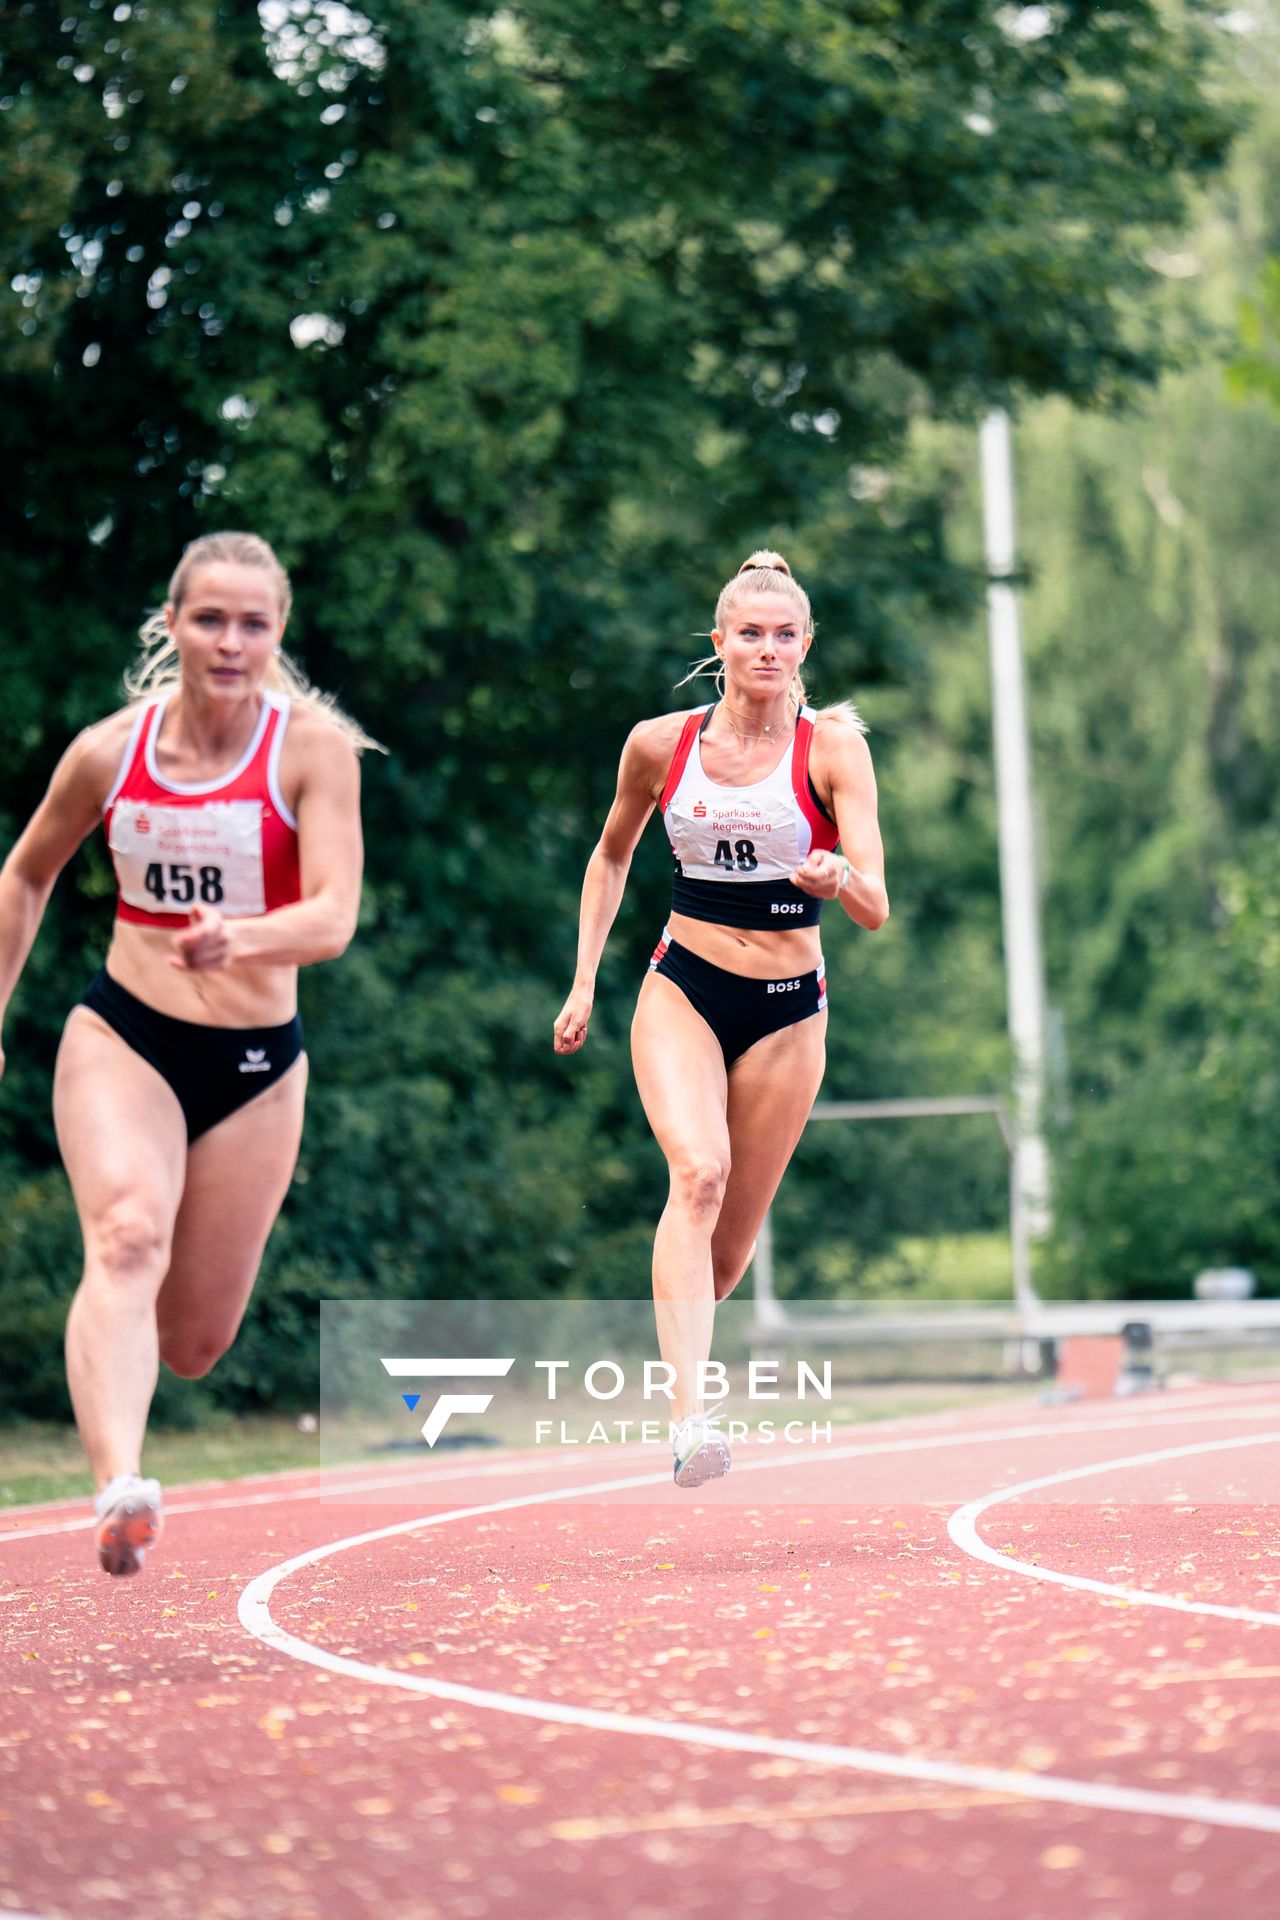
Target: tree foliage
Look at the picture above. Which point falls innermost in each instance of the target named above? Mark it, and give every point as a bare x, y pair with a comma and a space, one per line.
512, 330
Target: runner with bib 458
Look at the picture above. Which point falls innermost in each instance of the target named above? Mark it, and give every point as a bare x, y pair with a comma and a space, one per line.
230, 794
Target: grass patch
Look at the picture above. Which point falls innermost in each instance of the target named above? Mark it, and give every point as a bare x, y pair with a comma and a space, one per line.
948, 1266
41, 1461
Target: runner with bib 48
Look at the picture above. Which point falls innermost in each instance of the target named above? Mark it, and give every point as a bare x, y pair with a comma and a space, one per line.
229, 791
757, 793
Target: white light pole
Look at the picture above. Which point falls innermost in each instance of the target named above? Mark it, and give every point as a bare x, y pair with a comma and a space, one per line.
1019, 892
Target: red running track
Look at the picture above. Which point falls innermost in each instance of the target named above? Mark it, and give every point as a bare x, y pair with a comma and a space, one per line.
478, 1701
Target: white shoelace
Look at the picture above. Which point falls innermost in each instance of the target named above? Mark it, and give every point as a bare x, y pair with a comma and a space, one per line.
120, 1488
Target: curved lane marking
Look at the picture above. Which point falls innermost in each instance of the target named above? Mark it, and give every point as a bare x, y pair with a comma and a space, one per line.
255, 1615
963, 1528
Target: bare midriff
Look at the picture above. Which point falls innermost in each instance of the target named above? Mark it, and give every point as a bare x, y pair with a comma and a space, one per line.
242, 995
758, 955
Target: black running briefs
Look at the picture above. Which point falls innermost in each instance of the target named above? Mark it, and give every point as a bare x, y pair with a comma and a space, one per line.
213, 1070
739, 1011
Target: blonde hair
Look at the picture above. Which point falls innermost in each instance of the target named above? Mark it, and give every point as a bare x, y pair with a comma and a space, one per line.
767, 572
158, 668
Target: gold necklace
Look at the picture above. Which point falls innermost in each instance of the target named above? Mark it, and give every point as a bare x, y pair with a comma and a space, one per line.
748, 740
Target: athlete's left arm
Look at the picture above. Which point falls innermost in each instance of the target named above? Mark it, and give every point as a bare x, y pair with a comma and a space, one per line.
846, 782
330, 859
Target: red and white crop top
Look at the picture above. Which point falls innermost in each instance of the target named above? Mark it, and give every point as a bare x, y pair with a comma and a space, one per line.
737, 847
229, 843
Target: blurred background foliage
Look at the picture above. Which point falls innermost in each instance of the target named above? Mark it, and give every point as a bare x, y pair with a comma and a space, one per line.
514, 331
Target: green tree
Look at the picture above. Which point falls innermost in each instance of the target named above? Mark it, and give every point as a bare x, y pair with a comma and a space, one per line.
512, 330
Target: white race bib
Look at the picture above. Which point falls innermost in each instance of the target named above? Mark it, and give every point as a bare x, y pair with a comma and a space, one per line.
171, 859
719, 835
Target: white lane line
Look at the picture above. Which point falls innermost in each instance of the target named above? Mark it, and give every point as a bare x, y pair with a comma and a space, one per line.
963, 1528
418, 1488
255, 1616
415, 1486
331, 1486
1153, 1410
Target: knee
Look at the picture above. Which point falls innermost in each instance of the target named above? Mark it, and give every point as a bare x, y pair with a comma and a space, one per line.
190, 1355
698, 1184
129, 1244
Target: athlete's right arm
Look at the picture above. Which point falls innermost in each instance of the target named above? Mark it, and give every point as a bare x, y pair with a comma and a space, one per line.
67, 815
645, 760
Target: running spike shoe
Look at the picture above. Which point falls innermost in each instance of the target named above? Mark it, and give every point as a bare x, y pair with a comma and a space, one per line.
130, 1519
702, 1452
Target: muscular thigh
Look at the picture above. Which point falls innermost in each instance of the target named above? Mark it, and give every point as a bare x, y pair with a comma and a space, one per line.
771, 1090
237, 1176
120, 1129
680, 1073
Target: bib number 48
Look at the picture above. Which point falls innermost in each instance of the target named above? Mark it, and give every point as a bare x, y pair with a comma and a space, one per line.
178, 884
740, 856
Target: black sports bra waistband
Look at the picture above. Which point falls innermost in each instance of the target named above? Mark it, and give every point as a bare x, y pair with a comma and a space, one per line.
754, 904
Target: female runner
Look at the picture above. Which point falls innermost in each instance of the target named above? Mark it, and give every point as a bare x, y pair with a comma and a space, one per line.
728, 1040
230, 795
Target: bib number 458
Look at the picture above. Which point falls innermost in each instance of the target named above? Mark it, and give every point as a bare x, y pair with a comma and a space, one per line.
178, 884
740, 856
